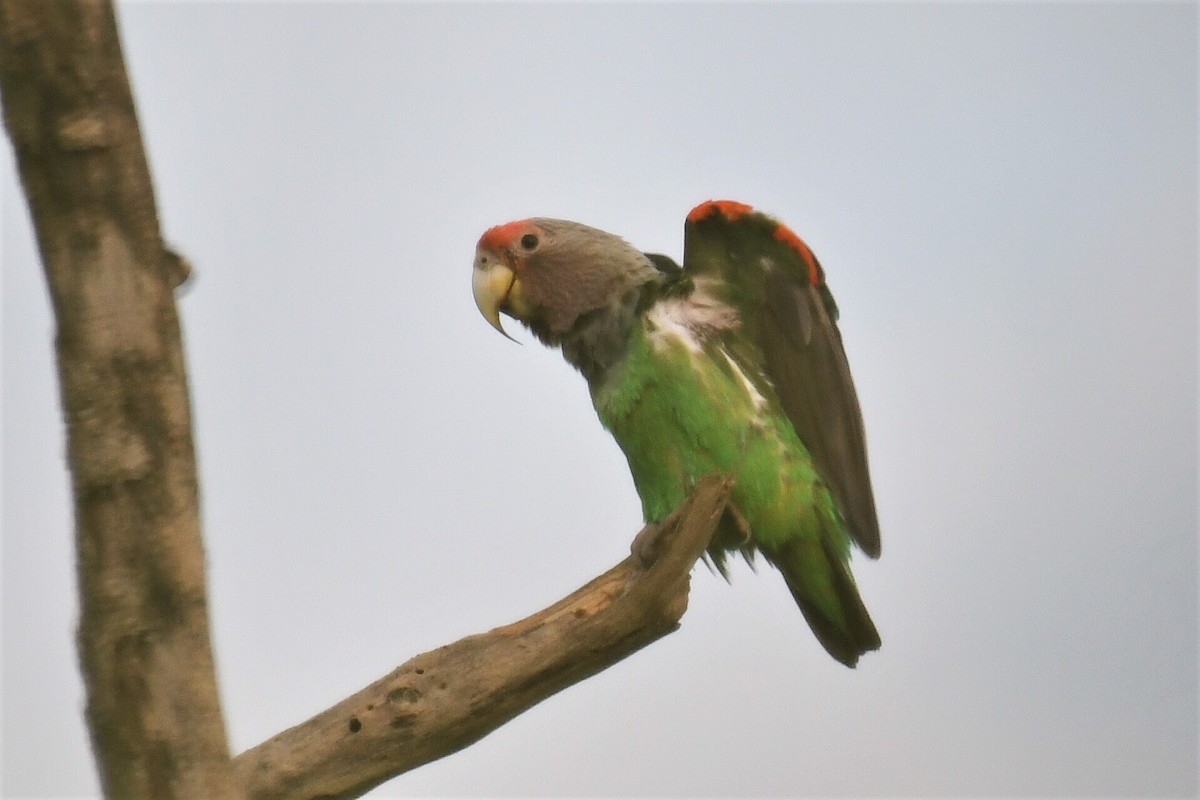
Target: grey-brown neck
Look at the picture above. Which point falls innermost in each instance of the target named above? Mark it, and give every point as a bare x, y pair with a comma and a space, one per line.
589, 286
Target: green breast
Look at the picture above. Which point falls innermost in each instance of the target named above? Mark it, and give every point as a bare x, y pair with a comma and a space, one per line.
680, 413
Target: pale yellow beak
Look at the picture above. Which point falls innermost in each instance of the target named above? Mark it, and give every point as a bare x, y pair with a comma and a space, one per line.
491, 285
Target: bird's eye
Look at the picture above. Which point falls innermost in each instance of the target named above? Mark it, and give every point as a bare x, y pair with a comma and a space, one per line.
529, 241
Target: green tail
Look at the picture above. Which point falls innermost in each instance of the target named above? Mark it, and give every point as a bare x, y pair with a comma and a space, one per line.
820, 581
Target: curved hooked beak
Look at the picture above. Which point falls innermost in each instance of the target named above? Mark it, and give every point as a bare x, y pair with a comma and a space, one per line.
491, 286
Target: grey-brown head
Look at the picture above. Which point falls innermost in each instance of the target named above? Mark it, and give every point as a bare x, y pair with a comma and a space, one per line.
551, 273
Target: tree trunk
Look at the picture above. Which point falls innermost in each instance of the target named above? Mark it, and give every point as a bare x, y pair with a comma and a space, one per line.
152, 705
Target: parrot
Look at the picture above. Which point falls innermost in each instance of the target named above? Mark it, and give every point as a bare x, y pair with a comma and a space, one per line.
731, 363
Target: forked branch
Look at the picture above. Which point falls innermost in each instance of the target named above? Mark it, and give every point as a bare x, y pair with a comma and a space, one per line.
153, 709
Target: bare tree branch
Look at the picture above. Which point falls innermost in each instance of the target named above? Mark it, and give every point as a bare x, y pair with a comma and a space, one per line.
143, 639
153, 710
446, 699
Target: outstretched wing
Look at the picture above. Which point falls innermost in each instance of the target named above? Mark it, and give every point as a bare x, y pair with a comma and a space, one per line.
788, 313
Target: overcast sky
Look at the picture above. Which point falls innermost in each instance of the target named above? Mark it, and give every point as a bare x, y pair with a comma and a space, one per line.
1004, 199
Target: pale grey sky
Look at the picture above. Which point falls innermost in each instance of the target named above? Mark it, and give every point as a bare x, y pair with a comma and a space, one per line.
1004, 199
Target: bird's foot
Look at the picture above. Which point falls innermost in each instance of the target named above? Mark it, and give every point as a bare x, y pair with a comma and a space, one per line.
652, 539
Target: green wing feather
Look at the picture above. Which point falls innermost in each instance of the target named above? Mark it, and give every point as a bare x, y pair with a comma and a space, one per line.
790, 316
789, 334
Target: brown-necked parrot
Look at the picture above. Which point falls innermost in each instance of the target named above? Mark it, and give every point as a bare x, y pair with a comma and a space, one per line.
732, 363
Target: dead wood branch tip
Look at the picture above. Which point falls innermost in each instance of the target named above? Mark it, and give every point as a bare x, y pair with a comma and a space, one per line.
443, 700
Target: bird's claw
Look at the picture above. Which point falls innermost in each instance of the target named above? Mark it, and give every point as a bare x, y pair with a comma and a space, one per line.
647, 545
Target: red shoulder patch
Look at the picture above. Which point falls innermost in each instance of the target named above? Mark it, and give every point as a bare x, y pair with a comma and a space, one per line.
501, 236
784, 234
729, 209
733, 211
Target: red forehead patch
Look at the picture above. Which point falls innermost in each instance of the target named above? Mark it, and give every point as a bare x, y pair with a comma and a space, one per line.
501, 236
729, 209
784, 234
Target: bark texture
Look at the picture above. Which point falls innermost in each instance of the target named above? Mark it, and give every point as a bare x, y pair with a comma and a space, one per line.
143, 638
446, 699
